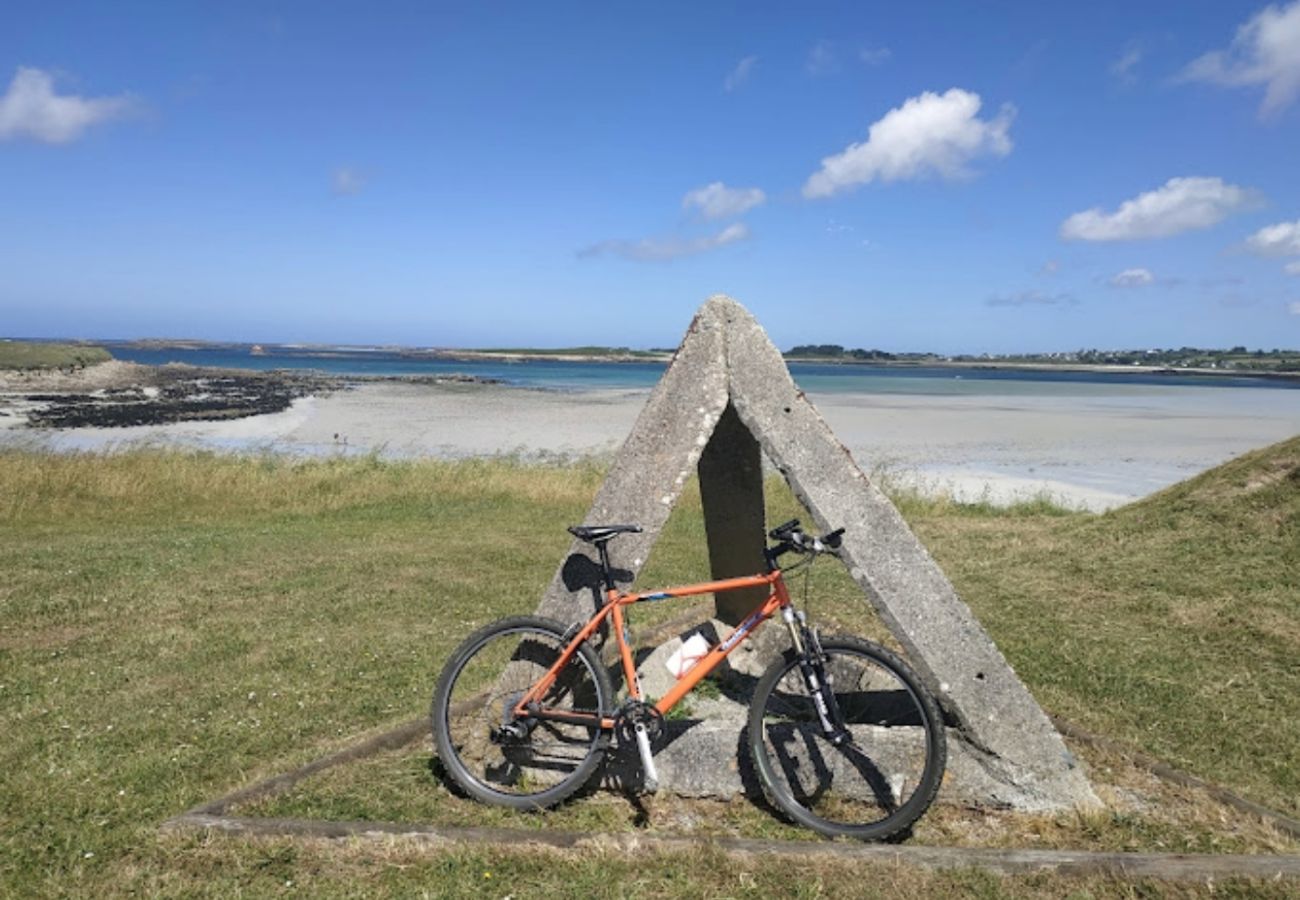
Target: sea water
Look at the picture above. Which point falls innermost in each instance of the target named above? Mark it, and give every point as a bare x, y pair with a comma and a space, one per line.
820, 378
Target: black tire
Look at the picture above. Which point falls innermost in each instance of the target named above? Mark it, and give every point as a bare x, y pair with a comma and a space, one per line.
870, 787
480, 683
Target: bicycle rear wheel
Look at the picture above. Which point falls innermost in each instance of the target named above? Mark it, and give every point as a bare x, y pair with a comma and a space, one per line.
498, 758
877, 781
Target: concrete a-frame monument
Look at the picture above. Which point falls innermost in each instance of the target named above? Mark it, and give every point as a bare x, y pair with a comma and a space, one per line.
726, 398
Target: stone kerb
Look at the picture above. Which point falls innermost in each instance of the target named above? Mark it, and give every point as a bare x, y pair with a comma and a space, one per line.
727, 358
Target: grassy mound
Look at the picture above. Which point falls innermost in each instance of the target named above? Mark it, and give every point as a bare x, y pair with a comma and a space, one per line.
1172, 623
34, 355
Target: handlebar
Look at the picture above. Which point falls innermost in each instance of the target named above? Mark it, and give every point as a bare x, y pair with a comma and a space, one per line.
791, 540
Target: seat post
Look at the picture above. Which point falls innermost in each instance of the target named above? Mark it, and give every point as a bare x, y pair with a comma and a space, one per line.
603, 547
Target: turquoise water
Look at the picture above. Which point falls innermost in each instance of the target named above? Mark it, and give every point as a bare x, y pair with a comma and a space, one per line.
815, 378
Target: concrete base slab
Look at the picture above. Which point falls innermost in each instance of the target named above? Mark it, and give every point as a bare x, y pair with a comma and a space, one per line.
709, 756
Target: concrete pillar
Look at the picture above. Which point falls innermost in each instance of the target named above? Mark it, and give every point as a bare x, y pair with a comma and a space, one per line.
731, 490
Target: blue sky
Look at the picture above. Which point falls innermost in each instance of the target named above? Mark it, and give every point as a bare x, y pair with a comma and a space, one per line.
949, 176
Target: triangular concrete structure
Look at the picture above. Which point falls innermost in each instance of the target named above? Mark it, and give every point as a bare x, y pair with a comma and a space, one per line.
726, 394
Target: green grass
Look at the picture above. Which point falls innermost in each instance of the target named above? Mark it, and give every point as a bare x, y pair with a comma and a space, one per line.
34, 355
174, 625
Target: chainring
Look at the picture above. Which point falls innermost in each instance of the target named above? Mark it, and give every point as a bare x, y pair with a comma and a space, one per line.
637, 712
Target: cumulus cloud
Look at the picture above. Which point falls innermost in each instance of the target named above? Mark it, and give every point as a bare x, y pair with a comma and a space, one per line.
717, 201
668, 248
1132, 278
31, 109
740, 74
1181, 204
346, 180
930, 134
1282, 239
1265, 51
1031, 298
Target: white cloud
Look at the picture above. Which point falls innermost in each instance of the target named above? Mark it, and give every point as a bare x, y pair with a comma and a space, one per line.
31, 109
1132, 278
1265, 51
740, 74
717, 201
1122, 68
822, 59
1181, 204
664, 249
1282, 239
346, 181
1294, 308
1292, 268
875, 56
932, 133
1031, 298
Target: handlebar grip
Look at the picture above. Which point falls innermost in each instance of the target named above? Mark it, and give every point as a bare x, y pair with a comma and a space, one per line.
834, 539
779, 532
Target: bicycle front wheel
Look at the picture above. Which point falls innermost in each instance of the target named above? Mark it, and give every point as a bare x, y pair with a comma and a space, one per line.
520, 762
879, 774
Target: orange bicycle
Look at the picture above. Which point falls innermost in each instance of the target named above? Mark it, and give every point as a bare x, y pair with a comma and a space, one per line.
844, 737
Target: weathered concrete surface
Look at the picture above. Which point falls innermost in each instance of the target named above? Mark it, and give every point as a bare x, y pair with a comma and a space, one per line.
1021, 760
945, 643
653, 465
707, 755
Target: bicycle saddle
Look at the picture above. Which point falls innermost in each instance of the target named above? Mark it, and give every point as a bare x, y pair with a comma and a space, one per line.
596, 533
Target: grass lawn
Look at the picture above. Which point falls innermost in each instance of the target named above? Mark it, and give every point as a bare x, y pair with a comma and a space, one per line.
174, 625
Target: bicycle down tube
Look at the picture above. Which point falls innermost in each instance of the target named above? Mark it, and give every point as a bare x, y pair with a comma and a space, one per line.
778, 596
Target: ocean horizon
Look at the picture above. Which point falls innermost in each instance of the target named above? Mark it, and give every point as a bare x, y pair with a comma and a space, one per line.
587, 375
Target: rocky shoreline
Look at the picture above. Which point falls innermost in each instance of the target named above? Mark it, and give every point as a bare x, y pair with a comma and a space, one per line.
121, 395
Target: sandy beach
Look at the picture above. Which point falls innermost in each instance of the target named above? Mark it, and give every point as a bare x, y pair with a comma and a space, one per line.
1094, 450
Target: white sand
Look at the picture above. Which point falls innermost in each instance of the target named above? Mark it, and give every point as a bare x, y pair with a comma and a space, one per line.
1098, 449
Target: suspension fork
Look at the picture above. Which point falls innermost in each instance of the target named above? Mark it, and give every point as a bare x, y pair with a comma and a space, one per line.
812, 666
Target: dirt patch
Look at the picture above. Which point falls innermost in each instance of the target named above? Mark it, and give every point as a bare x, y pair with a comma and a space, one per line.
1276, 471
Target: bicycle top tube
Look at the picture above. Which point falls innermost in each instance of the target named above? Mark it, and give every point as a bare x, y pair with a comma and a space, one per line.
705, 587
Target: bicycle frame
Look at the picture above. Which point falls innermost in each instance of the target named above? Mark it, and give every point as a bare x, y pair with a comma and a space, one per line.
777, 598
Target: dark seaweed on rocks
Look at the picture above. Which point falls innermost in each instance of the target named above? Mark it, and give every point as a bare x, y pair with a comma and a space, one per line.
179, 395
